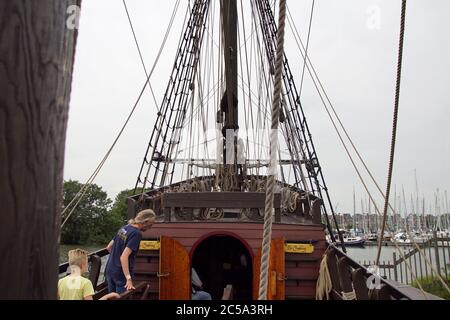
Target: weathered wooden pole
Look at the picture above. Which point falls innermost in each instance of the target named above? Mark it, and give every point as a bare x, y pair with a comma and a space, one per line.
36, 60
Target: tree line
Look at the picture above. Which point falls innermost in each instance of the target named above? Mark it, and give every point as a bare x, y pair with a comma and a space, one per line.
96, 218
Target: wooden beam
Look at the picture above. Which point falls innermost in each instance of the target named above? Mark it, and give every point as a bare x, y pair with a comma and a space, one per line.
36, 61
225, 200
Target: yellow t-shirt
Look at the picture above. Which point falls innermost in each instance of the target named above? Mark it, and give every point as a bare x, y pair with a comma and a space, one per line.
74, 288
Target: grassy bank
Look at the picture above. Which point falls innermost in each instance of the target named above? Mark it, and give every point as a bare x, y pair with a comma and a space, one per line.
434, 286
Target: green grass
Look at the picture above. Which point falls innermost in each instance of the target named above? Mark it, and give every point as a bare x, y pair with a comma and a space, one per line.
434, 286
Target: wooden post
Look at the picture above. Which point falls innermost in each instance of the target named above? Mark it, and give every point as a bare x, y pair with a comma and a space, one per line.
425, 260
415, 264
436, 252
430, 256
36, 61
445, 259
401, 270
394, 257
420, 264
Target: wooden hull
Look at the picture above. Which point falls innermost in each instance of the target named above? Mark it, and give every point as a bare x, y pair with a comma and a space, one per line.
219, 249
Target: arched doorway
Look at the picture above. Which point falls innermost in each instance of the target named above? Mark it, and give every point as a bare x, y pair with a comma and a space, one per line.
221, 260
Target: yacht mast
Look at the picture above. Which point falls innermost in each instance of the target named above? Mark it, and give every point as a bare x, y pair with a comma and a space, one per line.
447, 212
405, 207
416, 213
354, 211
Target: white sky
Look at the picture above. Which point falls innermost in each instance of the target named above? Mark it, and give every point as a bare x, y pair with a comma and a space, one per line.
356, 64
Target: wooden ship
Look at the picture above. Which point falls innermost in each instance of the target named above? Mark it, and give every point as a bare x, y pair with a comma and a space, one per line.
213, 222
211, 219
210, 198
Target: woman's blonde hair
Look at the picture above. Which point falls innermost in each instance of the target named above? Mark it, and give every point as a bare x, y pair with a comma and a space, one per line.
77, 257
143, 217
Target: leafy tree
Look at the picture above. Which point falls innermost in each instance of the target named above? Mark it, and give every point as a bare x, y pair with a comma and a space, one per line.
90, 222
120, 206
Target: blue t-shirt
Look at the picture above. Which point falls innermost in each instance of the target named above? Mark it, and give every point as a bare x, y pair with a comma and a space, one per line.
127, 236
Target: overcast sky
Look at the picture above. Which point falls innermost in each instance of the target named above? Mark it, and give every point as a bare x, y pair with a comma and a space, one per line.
355, 58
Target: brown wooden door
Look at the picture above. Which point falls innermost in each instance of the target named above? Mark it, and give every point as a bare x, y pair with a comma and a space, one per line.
276, 285
174, 271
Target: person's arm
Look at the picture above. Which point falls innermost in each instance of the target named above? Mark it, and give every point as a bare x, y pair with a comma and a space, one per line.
126, 268
110, 296
110, 245
88, 298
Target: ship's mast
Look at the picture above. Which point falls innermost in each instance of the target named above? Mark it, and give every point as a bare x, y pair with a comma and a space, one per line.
228, 113
37, 55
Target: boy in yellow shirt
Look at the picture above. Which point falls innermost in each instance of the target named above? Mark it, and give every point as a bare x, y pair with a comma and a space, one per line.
75, 286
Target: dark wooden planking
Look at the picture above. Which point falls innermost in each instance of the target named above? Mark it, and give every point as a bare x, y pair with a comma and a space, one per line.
316, 256
225, 200
306, 291
36, 63
189, 233
146, 266
233, 225
302, 273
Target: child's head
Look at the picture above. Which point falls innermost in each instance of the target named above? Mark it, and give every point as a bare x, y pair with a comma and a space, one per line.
78, 258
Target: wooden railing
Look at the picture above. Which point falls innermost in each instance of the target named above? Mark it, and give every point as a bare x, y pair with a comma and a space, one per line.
437, 252
348, 275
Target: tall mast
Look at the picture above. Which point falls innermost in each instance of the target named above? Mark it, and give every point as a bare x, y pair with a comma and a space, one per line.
229, 103
447, 213
368, 216
405, 207
413, 211
363, 216
394, 219
354, 211
416, 213
425, 227
37, 54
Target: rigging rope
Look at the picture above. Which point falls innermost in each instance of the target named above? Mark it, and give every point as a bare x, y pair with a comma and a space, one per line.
307, 47
139, 51
80, 195
265, 255
391, 160
394, 130
317, 83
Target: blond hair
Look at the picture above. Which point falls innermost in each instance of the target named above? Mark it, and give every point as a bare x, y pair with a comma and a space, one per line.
77, 257
143, 217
